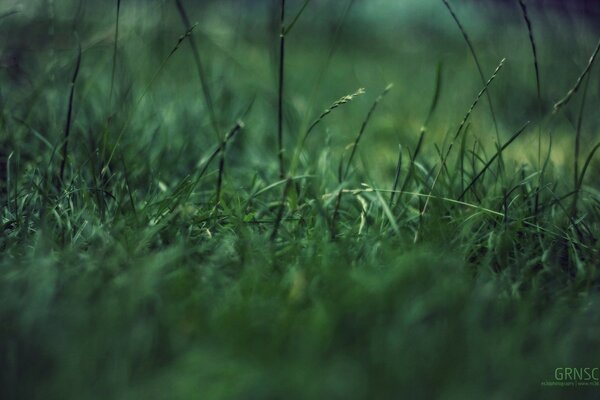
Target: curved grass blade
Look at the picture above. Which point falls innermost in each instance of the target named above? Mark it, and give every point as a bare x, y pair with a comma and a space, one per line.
565, 100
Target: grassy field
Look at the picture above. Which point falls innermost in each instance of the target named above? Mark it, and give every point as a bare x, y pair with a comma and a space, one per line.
300, 200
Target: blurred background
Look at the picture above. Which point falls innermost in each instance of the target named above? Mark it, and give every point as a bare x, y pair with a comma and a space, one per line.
335, 48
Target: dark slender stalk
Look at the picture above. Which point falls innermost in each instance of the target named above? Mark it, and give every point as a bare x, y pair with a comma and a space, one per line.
539, 98
281, 91
413, 157
279, 217
237, 127
65, 146
436, 95
190, 184
334, 217
114, 60
8, 182
397, 177
463, 152
221, 171
586, 164
491, 160
533, 49
578, 129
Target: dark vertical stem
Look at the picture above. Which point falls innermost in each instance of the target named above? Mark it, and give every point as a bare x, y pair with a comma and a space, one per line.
114, 60
208, 99
280, 93
411, 165
221, 171
397, 177
578, 147
539, 99
65, 146
279, 217
334, 217
238, 126
126, 176
8, 181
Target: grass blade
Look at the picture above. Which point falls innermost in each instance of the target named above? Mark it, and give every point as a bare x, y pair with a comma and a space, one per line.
287, 29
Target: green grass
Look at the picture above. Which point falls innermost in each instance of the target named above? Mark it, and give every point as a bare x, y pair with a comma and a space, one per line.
160, 241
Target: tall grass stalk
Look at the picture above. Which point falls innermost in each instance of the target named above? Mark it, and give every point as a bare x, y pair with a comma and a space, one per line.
208, 99
565, 100
302, 139
536, 69
280, 90
8, 159
343, 172
239, 125
283, 32
477, 63
538, 86
222, 148
281, 209
411, 167
456, 135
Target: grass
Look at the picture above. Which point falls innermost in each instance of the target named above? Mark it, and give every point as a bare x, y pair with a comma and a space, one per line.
397, 253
